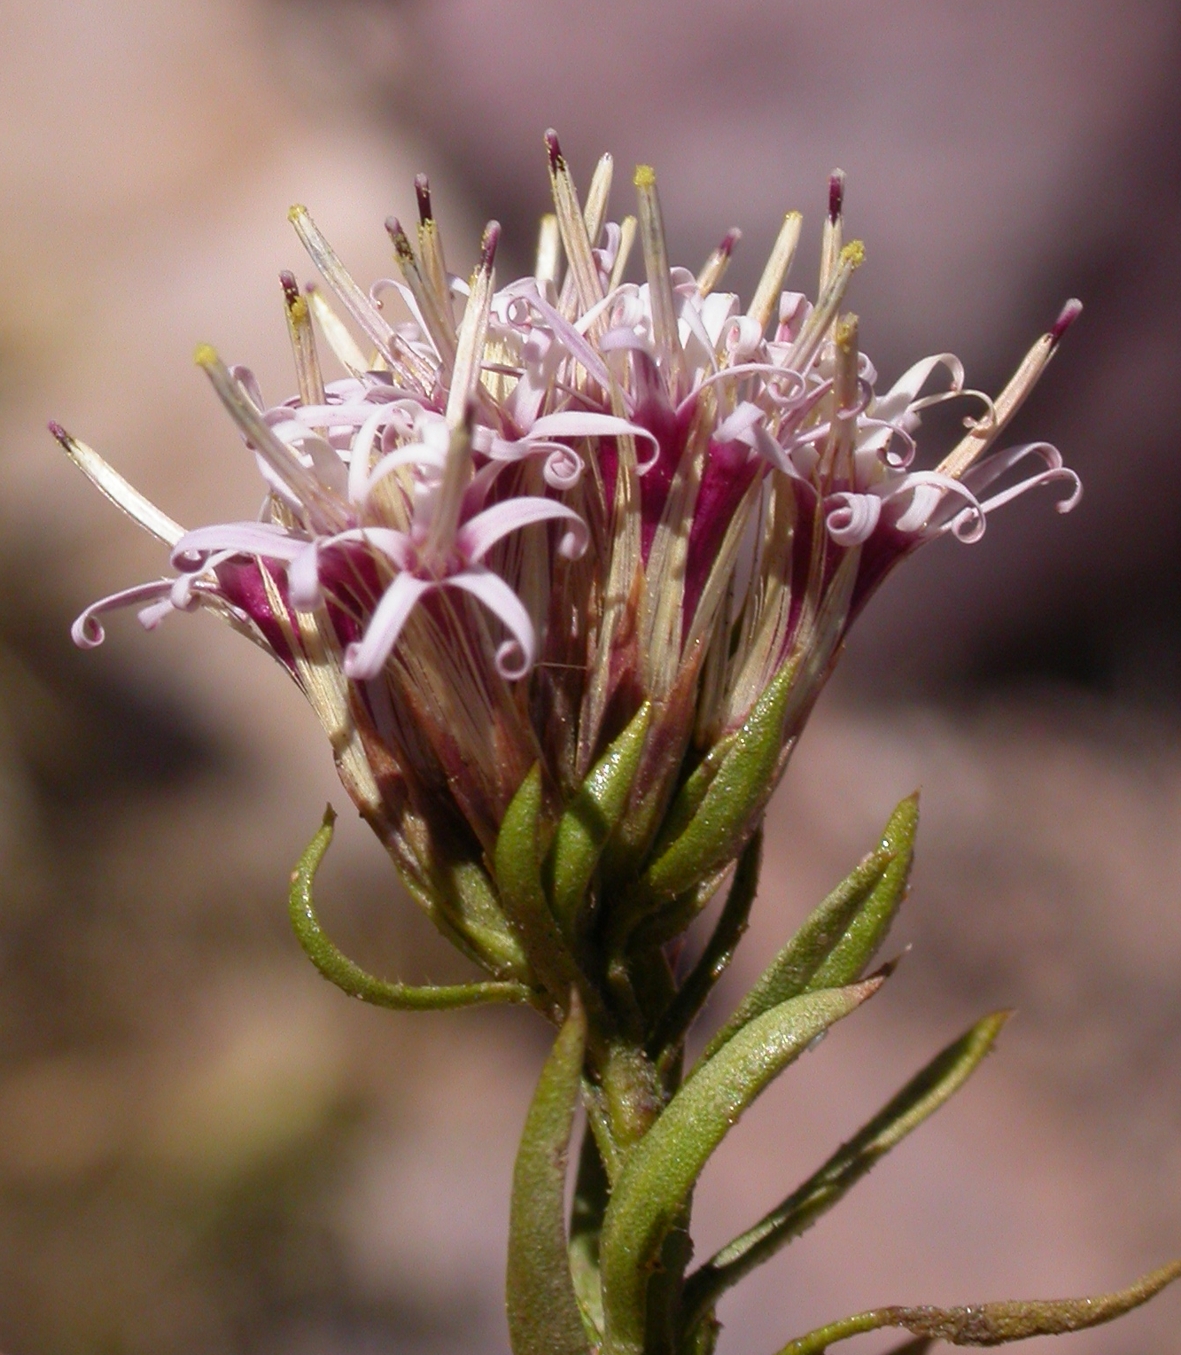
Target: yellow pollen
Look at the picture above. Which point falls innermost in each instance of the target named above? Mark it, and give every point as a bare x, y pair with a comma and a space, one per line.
853, 254
846, 335
299, 310
206, 355
644, 177
295, 212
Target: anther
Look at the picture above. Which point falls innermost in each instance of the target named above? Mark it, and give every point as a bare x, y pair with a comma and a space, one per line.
422, 189
1069, 314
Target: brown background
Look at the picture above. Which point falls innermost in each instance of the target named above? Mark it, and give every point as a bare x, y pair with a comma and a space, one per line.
203, 1148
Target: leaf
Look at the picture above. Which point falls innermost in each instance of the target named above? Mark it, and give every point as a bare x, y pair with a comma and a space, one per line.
591, 1192
517, 862
992, 1324
868, 929
543, 1314
674, 1025
591, 818
661, 1169
474, 910
840, 937
731, 801
350, 977
922, 1096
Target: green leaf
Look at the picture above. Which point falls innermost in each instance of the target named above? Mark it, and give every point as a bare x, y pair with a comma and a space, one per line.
475, 912
921, 1096
591, 1192
992, 1324
733, 798
517, 862
850, 924
543, 1314
591, 818
660, 1171
867, 931
350, 977
674, 1025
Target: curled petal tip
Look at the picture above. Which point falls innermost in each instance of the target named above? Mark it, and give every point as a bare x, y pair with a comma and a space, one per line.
836, 194
1068, 315
422, 190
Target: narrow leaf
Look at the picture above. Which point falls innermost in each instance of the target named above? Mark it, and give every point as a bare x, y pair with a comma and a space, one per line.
662, 1168
674, 1025
867, 931
592, 817
591, 1192
992, 1324
922, 1096
543, 1313
350, 977
791, 971
723, 789
517, 862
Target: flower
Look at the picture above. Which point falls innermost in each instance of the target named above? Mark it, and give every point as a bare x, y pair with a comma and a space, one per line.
590, 523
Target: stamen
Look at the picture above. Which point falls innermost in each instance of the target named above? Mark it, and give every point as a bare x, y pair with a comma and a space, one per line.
320, 502
456, 474
430, 248
123, 495
472, 330
549, 250
970, 448
660, 291
765, 301
342, 343
627, 238
303, 342
439, 325
1068, 315
831, 241
422, 191
572, 225
595, 213
816, 327
717, 263
396, 352
836, 463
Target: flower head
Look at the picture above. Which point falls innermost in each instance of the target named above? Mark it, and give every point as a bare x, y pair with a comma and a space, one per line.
575, 522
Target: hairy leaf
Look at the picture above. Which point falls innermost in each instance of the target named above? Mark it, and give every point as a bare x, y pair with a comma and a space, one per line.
992, 1324
350, 977
592, 817
922, 1096
543, 1313
840, 937
661, 1169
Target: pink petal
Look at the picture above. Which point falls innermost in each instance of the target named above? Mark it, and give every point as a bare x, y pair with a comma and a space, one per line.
368, 657
514, 657
267, 539
87, 631
851, 518
477, 537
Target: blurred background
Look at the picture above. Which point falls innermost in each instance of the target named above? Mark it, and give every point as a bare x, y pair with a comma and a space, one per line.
204, 1148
